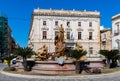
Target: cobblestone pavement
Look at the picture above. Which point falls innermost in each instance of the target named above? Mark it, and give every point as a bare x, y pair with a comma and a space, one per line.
103, 77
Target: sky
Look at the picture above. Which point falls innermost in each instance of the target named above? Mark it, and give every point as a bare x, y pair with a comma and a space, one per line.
19, 12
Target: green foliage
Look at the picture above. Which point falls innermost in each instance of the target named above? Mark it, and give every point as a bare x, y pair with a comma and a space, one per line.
104, 53
9, 57
112, 54
9, 69
24, 52
77, 53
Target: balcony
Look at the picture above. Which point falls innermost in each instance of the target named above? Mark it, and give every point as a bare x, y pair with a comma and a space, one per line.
104, 41
69, 40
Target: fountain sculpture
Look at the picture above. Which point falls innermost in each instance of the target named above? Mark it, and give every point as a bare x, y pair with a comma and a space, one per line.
42, 54
57, 66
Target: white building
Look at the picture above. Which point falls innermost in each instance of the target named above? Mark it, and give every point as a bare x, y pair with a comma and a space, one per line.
80, 27
116, 32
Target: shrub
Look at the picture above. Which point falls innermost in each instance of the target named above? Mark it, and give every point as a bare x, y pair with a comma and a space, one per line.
96, 70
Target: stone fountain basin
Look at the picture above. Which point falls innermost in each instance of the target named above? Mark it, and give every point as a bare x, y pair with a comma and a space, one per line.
51, 68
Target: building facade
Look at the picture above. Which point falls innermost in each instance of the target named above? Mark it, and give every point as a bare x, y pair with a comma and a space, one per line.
6, 40
116, 32
106, 39
81, 27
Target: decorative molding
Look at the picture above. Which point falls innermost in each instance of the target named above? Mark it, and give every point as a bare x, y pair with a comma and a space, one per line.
66, 13
79, 29
56, 28
68, 29
90, 29
44, 28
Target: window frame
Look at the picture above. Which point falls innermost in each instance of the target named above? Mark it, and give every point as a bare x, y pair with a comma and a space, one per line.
44, 35
79, 35
44, 23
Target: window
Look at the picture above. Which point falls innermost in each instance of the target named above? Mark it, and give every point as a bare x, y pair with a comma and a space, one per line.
44, 23
90, 24
91, 50
90, 35
56, 23
68, 24
56, 32
79, 23
79, 35
104, 36
118, 28
68, 35
44, 34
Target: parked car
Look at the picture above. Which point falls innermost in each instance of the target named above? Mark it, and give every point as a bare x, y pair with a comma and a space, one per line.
14, 61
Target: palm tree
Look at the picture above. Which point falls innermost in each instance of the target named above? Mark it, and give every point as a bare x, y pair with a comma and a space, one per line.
24, 53
77, 54
112, 56
106, 54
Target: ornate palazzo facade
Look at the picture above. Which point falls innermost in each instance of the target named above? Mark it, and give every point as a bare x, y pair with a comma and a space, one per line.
116, 32
79, 27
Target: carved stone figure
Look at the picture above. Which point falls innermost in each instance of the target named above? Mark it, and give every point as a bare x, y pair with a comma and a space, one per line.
42, 54
59, 43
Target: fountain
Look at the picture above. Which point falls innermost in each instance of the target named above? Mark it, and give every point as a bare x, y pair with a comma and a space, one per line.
59, 65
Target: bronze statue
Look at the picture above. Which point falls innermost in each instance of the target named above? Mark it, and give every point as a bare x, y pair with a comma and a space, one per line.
59, 43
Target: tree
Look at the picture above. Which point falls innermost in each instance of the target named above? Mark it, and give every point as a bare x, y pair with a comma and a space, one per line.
9, 57
114, 57
24, 53
107, 55
77, 54
111, 56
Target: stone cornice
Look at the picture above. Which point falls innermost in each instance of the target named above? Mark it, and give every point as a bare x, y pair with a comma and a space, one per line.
66, 13
116, 17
